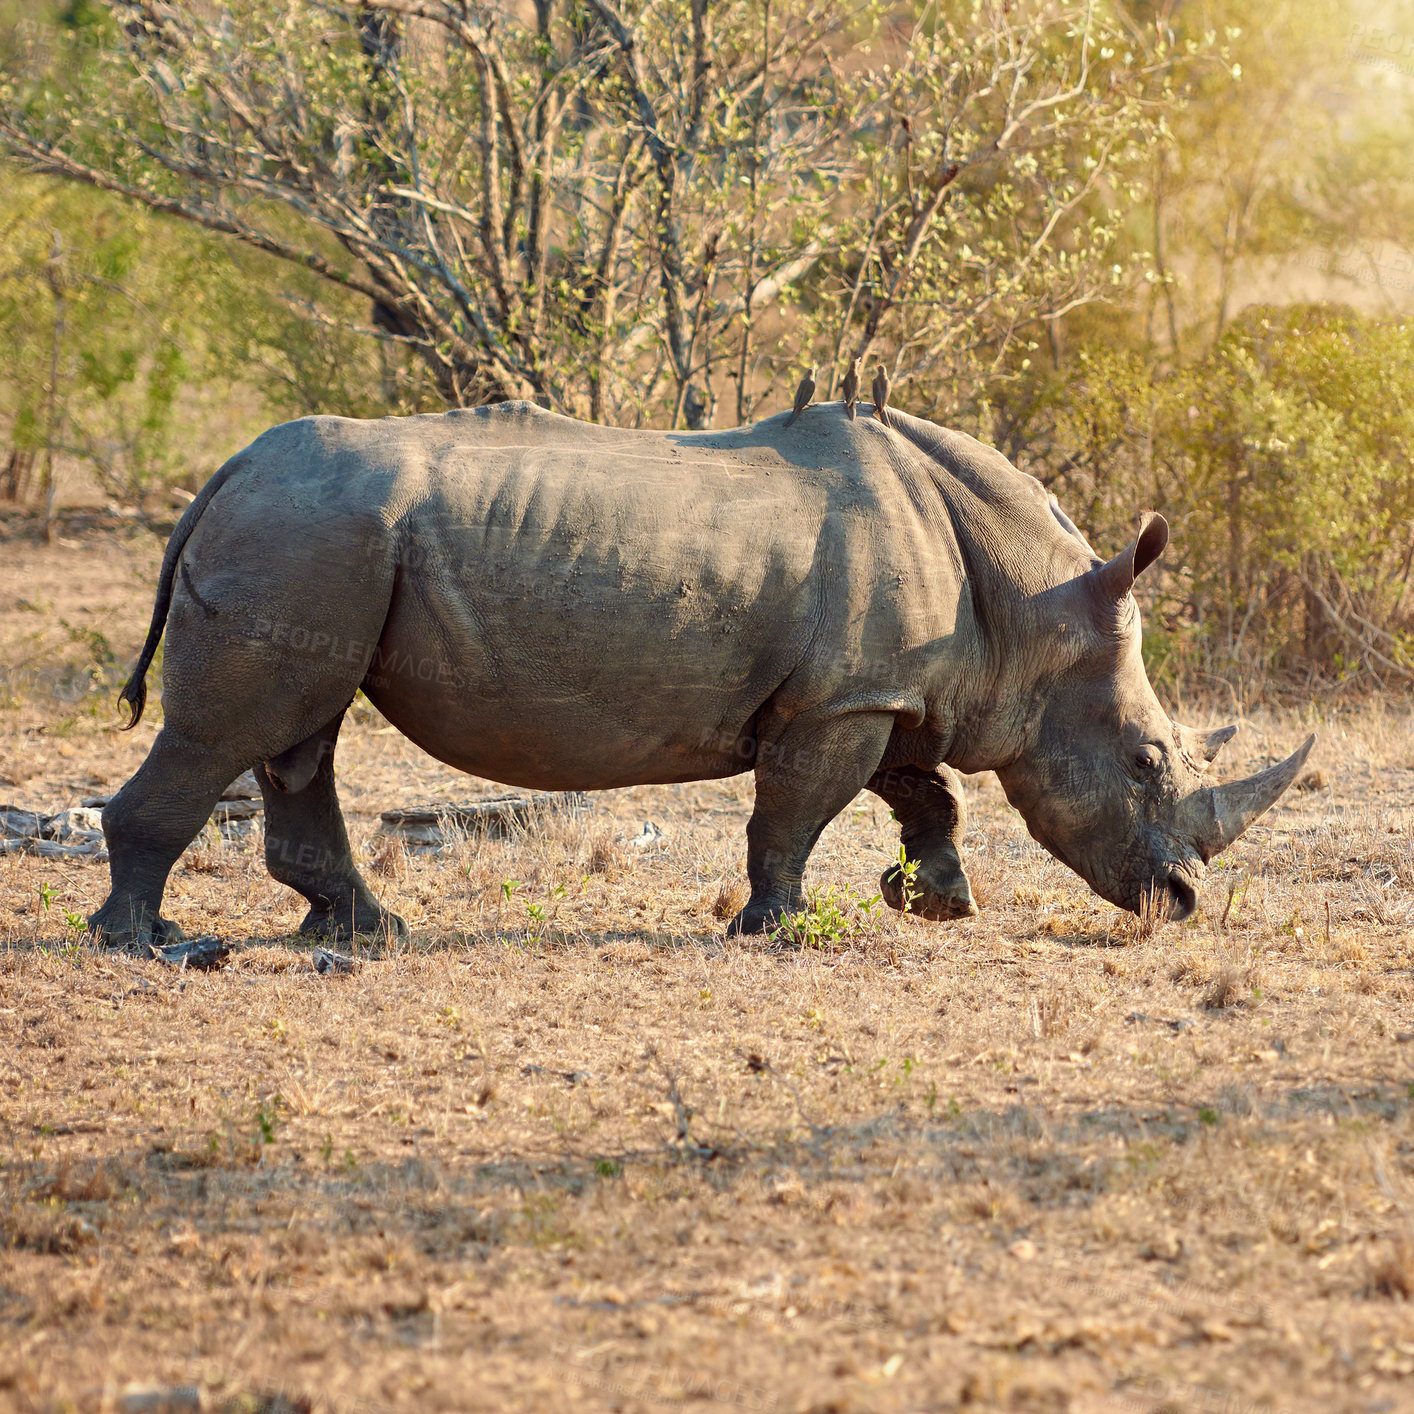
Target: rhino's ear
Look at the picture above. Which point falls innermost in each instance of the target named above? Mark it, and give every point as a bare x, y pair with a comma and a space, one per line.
1203, 746
1114, 580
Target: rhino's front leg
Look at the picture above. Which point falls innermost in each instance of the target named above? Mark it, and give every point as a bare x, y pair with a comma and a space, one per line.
932, 817
804, 778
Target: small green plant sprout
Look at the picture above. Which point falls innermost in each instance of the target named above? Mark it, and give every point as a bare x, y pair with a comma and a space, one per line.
267, 1118
831, 918
75, 923
1236, 894
46, 895
542, 914
908, 880
508, 888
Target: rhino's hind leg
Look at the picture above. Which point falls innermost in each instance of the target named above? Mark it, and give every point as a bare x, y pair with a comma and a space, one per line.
147, 826
804, 778
307, 847
932, 818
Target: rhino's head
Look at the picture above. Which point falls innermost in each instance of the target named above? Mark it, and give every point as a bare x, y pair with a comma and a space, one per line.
1106, 781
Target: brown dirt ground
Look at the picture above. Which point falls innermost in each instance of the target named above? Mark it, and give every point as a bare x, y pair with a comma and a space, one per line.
570, 1148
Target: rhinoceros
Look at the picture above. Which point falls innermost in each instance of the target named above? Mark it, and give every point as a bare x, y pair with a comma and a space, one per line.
836, 605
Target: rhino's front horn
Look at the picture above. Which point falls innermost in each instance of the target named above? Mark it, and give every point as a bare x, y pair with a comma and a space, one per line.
1204, 746
1217, 815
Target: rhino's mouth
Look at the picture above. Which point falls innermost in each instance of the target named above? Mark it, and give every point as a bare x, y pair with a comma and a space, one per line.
1182, 896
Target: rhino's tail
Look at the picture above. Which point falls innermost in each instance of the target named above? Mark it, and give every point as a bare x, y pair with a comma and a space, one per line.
134, 694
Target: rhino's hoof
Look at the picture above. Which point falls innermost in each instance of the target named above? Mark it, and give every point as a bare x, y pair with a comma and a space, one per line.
757, 918
338, 927
142, 935
938, 900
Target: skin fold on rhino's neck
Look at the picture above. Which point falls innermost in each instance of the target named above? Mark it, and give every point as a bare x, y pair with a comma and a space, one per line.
1021, 569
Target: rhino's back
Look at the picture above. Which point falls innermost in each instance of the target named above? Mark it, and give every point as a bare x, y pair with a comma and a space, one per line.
516, 490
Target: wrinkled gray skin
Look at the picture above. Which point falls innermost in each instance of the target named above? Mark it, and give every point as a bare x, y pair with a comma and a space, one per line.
836, 605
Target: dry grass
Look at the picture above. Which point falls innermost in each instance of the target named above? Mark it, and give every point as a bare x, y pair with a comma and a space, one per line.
569, 1147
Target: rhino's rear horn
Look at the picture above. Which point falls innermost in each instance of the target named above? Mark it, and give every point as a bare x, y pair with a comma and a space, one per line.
1217, 815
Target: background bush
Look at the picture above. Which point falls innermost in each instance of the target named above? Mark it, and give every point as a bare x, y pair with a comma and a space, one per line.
1156, 254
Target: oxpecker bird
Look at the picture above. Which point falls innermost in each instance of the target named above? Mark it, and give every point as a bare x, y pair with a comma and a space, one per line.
881, 395
851, 388
803, 394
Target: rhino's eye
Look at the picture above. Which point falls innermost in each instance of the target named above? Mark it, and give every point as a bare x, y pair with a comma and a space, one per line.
1148, 758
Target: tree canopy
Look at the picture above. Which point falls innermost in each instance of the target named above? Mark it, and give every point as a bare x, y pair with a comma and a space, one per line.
1157, 253
607, 211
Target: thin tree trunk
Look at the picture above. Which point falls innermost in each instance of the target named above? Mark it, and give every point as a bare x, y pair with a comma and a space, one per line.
748, 314
48, 482
1234, 550
1165, 284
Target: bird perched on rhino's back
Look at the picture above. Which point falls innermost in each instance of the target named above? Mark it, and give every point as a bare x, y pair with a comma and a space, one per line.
803, 394
851, 388
881, 395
